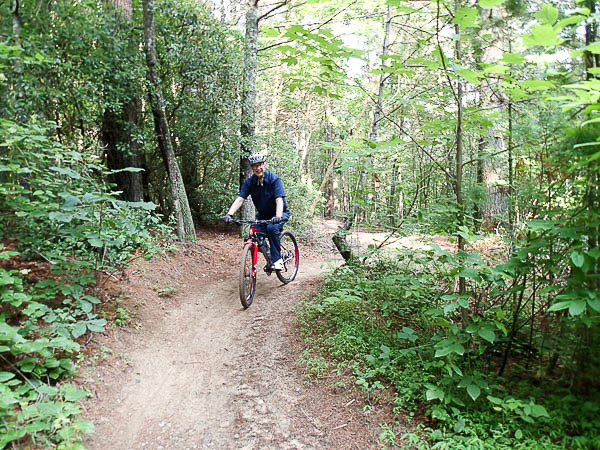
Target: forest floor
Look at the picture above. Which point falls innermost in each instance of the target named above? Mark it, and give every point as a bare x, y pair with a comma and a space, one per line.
190, 368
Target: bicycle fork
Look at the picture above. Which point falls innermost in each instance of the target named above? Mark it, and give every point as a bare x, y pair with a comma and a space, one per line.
254, 257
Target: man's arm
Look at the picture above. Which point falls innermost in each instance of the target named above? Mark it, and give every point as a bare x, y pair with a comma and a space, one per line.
238, 202
279, 206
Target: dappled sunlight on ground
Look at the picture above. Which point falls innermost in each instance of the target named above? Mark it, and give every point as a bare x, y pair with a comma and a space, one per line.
362, 237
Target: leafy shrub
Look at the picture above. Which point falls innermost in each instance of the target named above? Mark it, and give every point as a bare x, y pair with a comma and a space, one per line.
54, 209
395, 325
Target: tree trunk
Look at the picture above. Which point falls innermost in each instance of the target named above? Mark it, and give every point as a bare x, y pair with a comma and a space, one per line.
511, 204
181, 207
117, 139
379, 104
591, 35
339, 238
16, 22
122, 149
303, 135
462, 288
479, 206
332, 188
248, 119
17, 86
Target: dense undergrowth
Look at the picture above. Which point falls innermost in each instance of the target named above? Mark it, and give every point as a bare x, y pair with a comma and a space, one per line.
506, 377
61, 228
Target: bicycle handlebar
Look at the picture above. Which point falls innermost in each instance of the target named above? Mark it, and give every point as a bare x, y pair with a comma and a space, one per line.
252, 222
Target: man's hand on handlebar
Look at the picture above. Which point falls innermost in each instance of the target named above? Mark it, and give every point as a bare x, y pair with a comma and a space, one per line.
227, 218
276, 219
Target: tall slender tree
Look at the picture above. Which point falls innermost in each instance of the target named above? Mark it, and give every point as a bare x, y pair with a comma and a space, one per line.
378, 106
248, 119
462, 287
118, 125
181, 207
17, 24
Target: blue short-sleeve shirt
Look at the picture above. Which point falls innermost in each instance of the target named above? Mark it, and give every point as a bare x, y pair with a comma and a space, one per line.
263, 196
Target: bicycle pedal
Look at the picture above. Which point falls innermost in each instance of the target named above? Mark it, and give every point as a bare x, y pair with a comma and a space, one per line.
268, 270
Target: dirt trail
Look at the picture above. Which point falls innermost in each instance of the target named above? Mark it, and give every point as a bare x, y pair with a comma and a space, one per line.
196, 370
205, 373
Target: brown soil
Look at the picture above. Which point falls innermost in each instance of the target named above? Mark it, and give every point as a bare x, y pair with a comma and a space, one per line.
193, 369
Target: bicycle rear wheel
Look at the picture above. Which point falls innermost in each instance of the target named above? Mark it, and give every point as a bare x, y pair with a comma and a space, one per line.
247, 280
290, 256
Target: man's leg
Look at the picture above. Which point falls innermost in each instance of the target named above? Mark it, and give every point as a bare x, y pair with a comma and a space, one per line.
274, 234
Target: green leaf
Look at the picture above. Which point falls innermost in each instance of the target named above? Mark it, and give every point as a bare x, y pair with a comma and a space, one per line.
85, 306
459, 425
271, 32
457, 348
473, 391
96, 325
539, 411
495, 68
594, 304
487, 334
489, 4
465, 17
72, 394
148, 206
61, 217
547, 15
70, 201
494, 400
573, 20
450, 307
469, 75
442, 352
11, 435
96, 242
468, 272
519, 434
587, 122
434, 393
559, 306
92, 197
6, 279
593, 48
512, 58
91, 299
536, 85
577, 258
79, 329
66, 171
45, 389
84, 426
543, 35
5, 376
8, 254
577, 307
463, 302
125, 169
587, 160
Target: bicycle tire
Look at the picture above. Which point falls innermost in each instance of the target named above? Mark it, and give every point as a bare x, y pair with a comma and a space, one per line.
247, 281
290, 256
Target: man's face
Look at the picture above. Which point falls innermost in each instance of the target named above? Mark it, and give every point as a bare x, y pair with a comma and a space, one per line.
259, 169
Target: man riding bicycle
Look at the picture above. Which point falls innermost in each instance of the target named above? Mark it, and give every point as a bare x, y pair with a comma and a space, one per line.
268, 197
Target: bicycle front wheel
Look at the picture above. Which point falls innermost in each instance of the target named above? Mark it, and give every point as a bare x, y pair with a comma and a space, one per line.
290, 256
247, 276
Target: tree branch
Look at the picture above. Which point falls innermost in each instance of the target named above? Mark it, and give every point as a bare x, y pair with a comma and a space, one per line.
281, 5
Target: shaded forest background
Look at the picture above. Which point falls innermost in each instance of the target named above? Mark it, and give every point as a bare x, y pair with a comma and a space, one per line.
122, 122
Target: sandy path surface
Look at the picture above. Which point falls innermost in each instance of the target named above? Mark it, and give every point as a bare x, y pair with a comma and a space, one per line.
208, 374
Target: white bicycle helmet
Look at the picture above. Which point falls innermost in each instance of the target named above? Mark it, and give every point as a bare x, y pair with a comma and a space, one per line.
256, 157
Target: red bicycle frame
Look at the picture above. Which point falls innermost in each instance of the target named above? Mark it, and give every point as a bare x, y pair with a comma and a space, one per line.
251, 241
